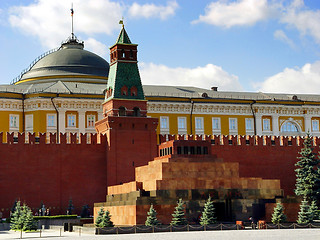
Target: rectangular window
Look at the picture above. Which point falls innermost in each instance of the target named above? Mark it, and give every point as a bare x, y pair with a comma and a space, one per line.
14, 122
233, 124
51, 120
266, 125
216, 123
315, 125
199, 123
182, 125
29, 122
71, 120
91, 119
249, 124
164, 122
164, 125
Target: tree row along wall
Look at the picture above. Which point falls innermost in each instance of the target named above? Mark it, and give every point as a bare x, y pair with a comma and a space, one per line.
52, 174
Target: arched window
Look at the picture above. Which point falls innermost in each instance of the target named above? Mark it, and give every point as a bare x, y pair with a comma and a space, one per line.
289, 127
124, 91
134, 91
136, 112
122, 111
131, 54
123, 54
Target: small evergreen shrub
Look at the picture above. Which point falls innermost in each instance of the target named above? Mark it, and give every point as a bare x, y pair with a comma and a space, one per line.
178, 217
208, 214
304, 215
103, 219
278, 215
152, 217
22, 219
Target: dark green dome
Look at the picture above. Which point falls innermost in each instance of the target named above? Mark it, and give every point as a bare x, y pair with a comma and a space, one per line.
69, 63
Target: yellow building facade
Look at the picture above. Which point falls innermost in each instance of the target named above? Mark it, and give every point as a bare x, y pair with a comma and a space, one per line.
63, 91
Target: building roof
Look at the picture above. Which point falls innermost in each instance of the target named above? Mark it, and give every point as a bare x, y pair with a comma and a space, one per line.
150, 91
57, 87
123, 37
69, 63
194, 92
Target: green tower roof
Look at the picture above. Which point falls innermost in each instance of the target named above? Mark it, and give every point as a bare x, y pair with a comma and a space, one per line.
123, 37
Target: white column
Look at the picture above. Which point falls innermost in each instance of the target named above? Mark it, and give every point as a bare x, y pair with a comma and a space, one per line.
258, 124
62, 121
307, 123
275, 125
82, 121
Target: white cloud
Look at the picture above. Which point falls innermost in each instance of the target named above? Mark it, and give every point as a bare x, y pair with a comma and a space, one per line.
151, 10
97, 47
304, 20
280, 35
203, 77
297, 80
237, 13
50, 21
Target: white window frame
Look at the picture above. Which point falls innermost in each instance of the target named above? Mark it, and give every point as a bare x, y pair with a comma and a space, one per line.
14, 122
182, 128
216, 126
315, 125
233, 126
249, 125
29, 123
199, 125
164, 125
89, 120
72, 118
266, 124
51, 118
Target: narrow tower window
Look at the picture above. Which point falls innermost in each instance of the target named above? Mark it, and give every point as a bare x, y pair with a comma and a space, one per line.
136, 112
122, 111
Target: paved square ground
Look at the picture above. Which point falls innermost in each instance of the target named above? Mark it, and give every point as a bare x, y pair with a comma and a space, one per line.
283, 234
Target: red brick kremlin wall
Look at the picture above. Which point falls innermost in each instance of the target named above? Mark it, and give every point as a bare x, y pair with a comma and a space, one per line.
52, 173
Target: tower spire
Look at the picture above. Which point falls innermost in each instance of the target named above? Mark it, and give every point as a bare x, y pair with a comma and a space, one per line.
72, 33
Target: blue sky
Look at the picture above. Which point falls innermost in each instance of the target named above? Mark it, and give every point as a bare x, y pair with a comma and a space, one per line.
237, 45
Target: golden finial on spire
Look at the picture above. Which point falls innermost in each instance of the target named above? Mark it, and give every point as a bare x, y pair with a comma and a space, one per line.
121, 22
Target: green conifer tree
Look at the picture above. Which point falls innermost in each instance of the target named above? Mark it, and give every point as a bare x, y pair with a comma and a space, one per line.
17, 218
209, 213
99, 217
307, 172
314, 211
106, 220
152, 217
278, 215
29, 223
178, 217
304, 215
22, 219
